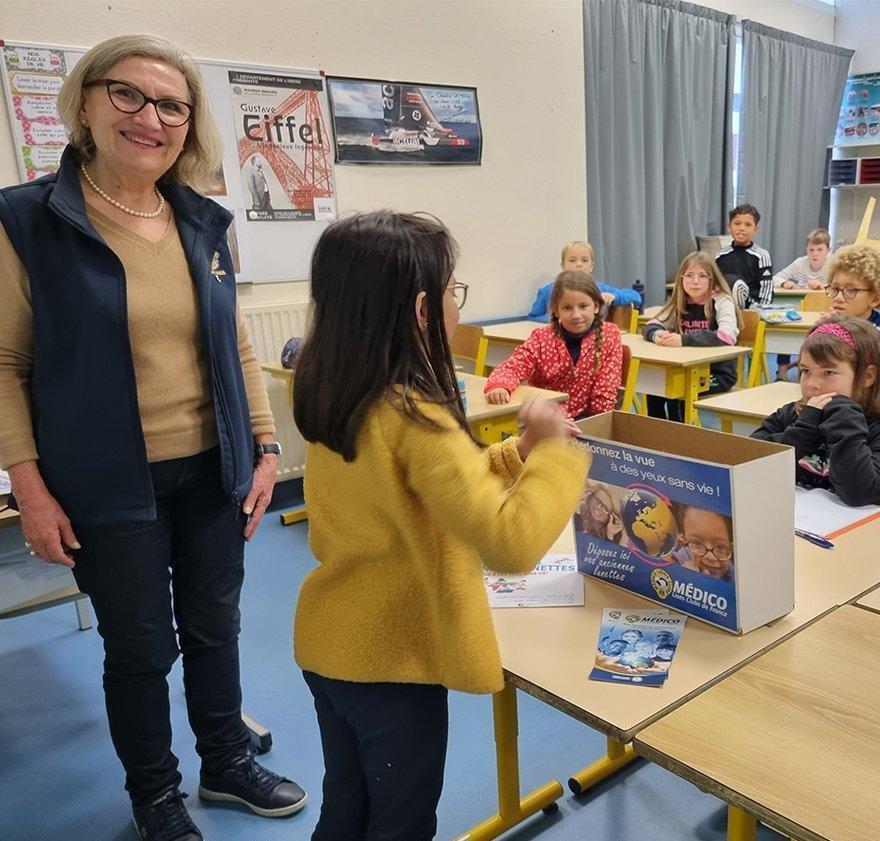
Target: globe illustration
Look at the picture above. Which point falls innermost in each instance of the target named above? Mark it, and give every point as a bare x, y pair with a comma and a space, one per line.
648, 522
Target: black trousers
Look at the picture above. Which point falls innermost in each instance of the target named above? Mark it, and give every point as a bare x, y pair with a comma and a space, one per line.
194, 551
384, 753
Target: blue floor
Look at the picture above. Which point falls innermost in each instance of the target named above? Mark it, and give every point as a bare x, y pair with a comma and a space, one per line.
60, 779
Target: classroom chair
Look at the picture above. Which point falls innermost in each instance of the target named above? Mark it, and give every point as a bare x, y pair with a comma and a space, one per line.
629, 375
469, 344
752, 335
815, 302
862, 237
625, 317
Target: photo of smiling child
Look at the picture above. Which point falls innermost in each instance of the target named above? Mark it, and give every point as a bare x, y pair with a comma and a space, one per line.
705, 542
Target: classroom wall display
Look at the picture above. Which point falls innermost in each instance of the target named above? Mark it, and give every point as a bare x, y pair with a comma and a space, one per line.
277, 143
858, 122
688, 518
383, 122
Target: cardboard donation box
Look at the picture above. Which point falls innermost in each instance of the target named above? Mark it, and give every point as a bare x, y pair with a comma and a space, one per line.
692, 519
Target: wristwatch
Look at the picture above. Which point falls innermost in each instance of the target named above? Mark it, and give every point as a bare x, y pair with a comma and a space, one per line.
263, 449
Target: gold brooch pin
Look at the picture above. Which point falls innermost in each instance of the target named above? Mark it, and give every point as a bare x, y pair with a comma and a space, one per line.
215, 268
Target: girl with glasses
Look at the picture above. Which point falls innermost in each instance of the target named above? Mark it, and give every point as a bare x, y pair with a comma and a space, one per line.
404, 508
853, 284
700, 312
597, 514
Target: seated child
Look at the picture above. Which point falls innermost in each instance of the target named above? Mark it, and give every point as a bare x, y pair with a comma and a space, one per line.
807, 272
835, 426
706, 543
747, 267
700, 312
853, 278
577, 353
579, 256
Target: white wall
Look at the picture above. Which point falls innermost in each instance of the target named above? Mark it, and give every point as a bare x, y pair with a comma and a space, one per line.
858, 27
811, 20
510, 215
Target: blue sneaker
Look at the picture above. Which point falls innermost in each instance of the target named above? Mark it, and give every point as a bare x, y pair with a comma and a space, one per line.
247, 782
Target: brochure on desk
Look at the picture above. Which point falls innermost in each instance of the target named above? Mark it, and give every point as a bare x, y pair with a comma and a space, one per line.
554, 582
643, 520
636, 646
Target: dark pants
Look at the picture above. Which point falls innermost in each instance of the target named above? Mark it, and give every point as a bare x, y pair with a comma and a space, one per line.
664, 408
195, 550
384, 753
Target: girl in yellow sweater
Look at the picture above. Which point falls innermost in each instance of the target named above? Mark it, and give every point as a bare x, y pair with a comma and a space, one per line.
404, 507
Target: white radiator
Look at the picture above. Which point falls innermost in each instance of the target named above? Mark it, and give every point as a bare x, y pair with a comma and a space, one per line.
269, 328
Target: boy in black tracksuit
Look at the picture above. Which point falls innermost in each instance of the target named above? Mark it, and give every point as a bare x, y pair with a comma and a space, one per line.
746, 266
836, 448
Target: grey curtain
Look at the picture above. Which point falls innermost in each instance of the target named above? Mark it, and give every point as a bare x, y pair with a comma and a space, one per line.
792, 89
658, 77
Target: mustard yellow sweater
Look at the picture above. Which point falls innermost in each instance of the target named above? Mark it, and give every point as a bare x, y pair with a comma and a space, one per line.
400, 533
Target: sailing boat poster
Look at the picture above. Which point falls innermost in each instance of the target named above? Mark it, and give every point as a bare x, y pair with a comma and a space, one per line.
379, 122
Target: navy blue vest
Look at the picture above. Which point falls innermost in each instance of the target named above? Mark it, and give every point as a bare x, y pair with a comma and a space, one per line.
83, 393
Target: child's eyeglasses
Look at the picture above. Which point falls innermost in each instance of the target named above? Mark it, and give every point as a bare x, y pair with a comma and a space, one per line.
720, 551
459, 293
700, 276
848, 292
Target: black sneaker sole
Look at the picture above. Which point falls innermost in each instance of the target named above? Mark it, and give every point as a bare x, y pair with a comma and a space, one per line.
282, 811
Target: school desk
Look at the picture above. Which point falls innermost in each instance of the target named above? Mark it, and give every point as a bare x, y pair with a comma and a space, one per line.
494, 422
792, 739
870, 601
788, 336
675, 372
741, 412
548, 653
503, 339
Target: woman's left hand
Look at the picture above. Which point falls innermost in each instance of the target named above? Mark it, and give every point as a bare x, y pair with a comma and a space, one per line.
261, 493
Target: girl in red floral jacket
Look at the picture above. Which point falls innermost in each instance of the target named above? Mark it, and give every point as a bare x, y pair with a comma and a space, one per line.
577, 352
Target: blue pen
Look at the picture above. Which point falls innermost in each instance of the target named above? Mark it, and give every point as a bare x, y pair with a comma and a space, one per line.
814, 538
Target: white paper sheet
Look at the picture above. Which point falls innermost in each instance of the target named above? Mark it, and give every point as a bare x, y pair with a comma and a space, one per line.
554, 582
822, 512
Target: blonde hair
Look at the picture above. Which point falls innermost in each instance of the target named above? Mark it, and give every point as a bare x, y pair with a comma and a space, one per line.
573, 244
861, 260
202, 151
818, 236
677, 304
573, 281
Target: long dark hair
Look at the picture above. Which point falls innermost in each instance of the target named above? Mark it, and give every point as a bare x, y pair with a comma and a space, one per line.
364, 343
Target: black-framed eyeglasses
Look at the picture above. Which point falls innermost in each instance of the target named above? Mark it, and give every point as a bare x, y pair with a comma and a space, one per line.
848, 292
459, 293
720, 551
128, 99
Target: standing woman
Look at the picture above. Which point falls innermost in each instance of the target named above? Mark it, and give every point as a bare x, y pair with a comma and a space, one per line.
133, 418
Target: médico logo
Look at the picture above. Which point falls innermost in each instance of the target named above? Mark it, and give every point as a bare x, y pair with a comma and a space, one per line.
661, 581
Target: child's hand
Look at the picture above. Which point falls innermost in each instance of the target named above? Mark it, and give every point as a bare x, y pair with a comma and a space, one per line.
670, 340
498, 396
788, 284
820, 401
815, 284
608, 298
541, 421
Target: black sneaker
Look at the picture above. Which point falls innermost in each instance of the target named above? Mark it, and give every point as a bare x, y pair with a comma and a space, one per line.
166, 819
261, 790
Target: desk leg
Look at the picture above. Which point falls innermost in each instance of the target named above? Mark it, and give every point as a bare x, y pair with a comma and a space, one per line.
692, 378
616, 757
726, 423
629, 391
295, 515
512, 809
741, 826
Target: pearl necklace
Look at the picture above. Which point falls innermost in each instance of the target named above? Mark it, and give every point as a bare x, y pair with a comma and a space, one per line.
121, 206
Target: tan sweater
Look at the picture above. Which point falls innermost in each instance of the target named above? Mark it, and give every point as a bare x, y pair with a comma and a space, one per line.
173, 383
